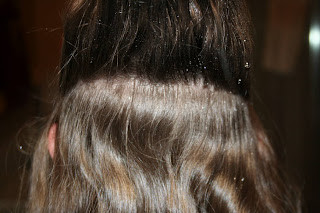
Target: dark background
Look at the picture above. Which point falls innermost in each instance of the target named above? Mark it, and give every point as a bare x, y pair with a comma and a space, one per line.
285, 85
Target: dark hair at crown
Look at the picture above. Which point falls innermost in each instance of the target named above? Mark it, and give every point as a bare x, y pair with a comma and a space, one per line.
163, 41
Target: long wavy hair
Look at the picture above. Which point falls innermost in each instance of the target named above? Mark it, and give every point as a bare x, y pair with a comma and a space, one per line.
154, 114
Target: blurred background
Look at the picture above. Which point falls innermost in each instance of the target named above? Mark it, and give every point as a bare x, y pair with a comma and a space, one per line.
286, 84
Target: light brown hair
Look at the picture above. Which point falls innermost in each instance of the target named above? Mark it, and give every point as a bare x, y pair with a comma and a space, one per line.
154, 114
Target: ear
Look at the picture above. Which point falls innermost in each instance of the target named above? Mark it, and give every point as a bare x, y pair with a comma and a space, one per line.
52, 135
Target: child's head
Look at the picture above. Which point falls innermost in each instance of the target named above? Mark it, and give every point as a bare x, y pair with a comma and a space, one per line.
154, 114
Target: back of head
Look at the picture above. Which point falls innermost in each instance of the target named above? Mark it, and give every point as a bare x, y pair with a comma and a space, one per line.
154, 114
